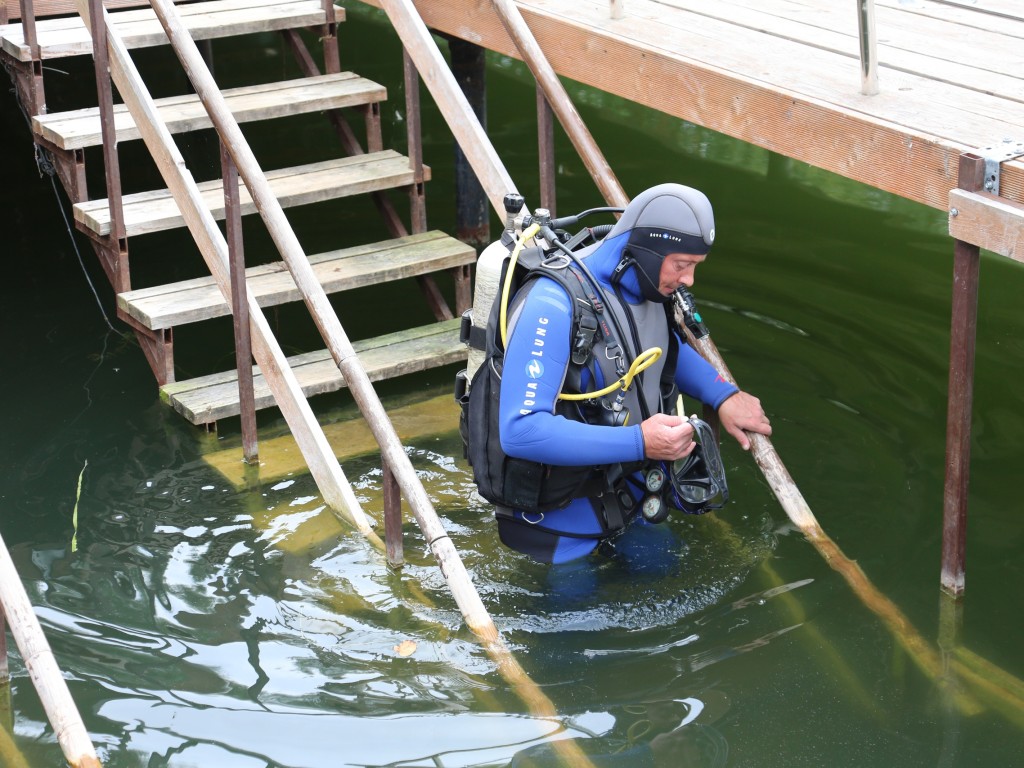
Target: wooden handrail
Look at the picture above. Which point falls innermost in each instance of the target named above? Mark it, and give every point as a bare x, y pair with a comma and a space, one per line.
42, 668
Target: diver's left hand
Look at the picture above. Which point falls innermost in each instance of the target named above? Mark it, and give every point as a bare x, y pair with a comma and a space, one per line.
741, 413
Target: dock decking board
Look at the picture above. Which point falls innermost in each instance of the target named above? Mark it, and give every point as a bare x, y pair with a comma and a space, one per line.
67, 36
156, 211
209, 398
784, 91
189, 301
81, 128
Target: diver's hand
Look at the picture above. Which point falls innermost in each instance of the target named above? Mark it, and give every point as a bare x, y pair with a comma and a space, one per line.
667, 438
742, 412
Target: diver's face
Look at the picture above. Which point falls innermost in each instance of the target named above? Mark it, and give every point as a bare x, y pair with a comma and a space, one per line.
678, 269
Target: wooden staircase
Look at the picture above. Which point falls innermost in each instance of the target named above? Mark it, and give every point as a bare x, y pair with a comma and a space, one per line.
154, 312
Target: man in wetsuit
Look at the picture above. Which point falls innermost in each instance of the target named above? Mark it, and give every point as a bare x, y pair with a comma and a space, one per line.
664, 234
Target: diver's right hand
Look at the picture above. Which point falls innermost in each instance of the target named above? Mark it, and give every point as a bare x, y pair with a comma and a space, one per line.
667, 438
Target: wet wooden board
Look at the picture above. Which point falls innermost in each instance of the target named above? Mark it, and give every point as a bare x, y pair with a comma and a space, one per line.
81, 128
189, 301
156, 211
206, 399
140, 28
280, 457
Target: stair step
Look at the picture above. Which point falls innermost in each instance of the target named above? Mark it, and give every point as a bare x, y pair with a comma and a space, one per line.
189, 301
206, 399
156, 210
140, 28
81, 127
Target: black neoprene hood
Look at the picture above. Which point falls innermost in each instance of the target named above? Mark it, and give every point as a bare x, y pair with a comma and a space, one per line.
667, 218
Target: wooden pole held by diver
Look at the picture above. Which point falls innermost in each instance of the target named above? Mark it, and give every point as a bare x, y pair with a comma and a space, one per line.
963, 332
796, 507
42, 668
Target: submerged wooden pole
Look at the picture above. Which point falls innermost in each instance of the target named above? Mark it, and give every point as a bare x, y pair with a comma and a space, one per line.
42, 668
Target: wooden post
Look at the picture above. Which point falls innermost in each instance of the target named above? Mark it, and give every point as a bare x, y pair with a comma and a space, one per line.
414, 139
557, 97
472, 217
546, 151
963, 331
116, 248
329, 38
37, 92
392, 517
617, 10
42, 668
239, 307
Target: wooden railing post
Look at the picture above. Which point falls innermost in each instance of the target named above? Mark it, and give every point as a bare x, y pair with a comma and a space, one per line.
963, 332
546, 151
414, 134
239, 307
329, 38
37, 92
112, 169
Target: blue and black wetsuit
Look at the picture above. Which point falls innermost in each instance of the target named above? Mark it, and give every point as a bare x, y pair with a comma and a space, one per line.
536, 363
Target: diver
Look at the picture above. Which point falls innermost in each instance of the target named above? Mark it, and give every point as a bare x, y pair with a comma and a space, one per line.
611, 446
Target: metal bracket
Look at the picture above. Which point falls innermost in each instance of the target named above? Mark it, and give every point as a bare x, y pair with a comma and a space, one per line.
994, 156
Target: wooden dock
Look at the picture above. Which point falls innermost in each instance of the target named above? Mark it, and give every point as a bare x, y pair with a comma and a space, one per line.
785, 75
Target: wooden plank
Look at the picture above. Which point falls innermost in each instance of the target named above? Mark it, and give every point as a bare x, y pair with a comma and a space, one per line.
208, 398
921, 45
301, 185
81, 128
190, 301
280, 457
799, 102
140, 28
987, 221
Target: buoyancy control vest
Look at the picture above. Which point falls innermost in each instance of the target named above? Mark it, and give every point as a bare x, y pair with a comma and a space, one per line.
597, 355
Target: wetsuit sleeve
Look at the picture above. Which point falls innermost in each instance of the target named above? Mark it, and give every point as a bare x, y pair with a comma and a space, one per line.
536, 360
697, 378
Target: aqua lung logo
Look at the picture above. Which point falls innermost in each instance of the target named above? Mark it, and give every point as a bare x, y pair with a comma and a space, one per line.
535, 368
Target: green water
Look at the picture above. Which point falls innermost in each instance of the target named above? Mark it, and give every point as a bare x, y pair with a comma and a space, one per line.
200, 625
